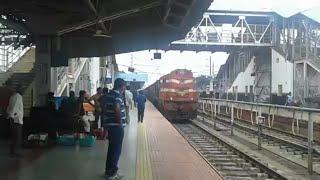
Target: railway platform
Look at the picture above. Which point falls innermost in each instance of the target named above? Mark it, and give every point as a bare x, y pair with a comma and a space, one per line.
153, 150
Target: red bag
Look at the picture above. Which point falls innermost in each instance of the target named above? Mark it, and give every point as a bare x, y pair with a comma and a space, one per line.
100, 133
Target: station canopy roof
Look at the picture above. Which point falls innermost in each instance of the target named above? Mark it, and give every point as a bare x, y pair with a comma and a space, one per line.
103, 27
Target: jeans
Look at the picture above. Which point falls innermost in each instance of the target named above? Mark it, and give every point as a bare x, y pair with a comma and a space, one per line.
98, 119
16, 136
140, 114
115, 136
127, 115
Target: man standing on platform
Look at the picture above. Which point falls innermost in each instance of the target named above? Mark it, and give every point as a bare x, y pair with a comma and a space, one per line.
114, 116
15, 115
141, 101
289, 101
129, 102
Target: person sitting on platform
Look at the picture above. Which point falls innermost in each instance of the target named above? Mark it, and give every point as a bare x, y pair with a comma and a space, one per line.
70, 112
97, 109
141, 101
114, 115
81, 111
51, 109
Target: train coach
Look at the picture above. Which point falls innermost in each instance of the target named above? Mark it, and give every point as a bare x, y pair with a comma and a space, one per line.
174, 95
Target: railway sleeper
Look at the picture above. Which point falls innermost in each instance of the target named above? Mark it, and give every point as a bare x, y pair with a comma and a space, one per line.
208, 149
236, 174
290, 149
298, 152
316, 159
226, 156
232, 168
253, 170
199, 141
225, 164
217, 160
282, 146
201, 145
237, 178
217, 152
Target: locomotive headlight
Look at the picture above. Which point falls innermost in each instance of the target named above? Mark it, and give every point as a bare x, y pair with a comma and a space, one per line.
191, 99
171, 98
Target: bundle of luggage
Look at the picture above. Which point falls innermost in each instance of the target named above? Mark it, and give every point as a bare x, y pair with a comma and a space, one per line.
36, 140
85, 140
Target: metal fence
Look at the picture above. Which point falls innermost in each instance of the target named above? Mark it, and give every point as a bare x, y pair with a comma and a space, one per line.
310, 116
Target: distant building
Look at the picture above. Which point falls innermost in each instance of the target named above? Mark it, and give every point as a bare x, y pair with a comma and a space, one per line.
135, 80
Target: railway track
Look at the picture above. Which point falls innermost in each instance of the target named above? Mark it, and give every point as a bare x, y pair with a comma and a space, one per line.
283, 144
230, 162
298, 139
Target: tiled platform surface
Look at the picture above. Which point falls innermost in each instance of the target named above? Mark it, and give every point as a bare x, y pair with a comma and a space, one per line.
172, 158
153, 150
70, 163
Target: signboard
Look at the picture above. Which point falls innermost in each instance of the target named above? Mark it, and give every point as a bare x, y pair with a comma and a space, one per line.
156, 55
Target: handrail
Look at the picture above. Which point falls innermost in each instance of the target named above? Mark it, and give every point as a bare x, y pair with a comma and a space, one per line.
11, 55
266, 105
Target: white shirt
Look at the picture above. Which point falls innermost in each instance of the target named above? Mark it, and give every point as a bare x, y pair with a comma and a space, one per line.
15, 108
129, 98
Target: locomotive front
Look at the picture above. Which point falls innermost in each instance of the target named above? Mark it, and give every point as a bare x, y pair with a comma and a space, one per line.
177, 95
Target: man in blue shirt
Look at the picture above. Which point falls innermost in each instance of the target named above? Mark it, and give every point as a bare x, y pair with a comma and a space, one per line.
114, 116
141, 101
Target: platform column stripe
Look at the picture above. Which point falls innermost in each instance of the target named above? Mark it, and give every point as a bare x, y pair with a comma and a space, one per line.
143, 166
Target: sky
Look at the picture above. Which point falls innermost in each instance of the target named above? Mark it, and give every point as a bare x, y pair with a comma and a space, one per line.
143, 62
199, 62
284, 7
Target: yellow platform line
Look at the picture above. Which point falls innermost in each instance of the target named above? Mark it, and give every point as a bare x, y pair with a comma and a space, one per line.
143, 165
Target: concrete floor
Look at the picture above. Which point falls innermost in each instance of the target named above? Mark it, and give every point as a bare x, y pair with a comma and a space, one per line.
66, 163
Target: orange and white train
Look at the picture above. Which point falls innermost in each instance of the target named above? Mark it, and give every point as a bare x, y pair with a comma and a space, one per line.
174, 94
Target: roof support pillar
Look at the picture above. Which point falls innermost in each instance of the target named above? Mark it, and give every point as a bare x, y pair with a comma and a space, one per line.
42, 69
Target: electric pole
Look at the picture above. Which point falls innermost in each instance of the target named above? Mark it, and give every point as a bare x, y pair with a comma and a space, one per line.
210, 67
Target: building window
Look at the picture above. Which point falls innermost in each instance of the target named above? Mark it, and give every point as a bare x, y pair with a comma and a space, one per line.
277, 60
251, 89
280, 90
246, 90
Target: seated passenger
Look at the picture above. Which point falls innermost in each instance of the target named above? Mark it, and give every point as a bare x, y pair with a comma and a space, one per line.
51, 110
97, 109
69, 111
81, 111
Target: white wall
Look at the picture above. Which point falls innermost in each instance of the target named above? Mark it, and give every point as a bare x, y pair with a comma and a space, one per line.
94, 74
244, 79
282, 73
